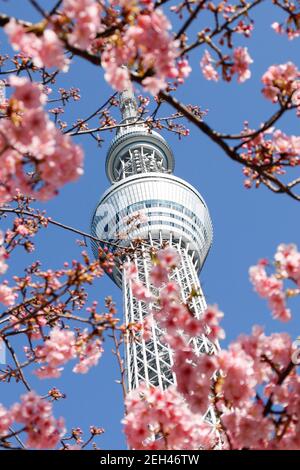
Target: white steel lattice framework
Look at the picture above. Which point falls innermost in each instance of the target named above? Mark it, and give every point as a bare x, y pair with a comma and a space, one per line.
169, 211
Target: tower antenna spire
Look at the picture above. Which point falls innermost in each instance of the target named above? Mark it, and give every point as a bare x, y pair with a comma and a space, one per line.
128, 105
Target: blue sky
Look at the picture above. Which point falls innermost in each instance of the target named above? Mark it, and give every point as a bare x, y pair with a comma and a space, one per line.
248, 224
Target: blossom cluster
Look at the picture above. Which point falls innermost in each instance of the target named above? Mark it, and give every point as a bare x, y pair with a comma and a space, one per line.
7, 294
148, 42
49, 302
281, 82
272, 149
35, 415
165, 415
168, 309
250, 385
79, 20
271, 287
37, 159
61, 347
252, 389
144, 41
240, 66
86, 21
268, 359
45, 48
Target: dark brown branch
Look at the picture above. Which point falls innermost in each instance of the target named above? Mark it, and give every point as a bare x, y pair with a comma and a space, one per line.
231, 152
190, 19
17, 363
223, 26
57, 224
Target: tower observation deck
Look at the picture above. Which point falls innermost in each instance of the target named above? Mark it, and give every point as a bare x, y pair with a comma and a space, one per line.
140, 166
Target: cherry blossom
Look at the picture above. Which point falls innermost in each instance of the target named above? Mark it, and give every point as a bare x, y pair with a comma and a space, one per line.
147, 327
264, 285
253, 385
240, 66
159, 275
192, 382
270, 288
29, 131
46, 49
288, 259
207, 67
28, 93
148, 39
86, 15
211, 318
242, 427
279, 81
56, 351
3, 255
290, 27
168, 257
7, 295
151, 411
238, 384
131, 271
35, 413
89, 353
6, 420
140, 291
241, 62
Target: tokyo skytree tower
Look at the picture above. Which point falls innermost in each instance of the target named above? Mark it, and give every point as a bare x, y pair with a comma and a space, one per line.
140, 166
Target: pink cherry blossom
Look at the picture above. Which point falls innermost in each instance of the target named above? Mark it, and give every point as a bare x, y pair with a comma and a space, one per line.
288, 259
241, 62
165, 414
263, 284
277, 347
140, 291
56, 351
168, 257
86, 16
277, 305
148, 40
242, 426
211, 318
35, 413
193, 378
184, 70
46, 50
52, 155
3, 255
147, 327
239, 380
7, 295
279, 80
6, 420
207, 67
131, 271
291, 28
154, 84
48, 372
89, 353
30, 94
159, 275
277, 27
271, 288
116, 75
